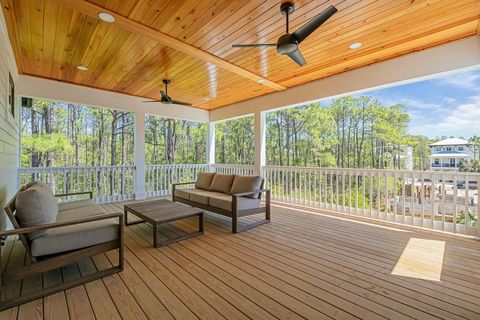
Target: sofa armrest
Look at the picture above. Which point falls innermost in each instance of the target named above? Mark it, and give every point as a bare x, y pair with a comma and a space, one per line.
27, 230
90, 194
242, 194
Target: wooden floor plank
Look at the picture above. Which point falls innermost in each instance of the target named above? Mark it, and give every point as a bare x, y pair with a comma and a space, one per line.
55, 305
200, 282
79, 306
343, 277
306, 263
150, 305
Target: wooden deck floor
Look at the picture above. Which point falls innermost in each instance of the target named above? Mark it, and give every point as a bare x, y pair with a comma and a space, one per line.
303, 264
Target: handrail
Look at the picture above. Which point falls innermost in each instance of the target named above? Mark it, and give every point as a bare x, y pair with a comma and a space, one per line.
439, 200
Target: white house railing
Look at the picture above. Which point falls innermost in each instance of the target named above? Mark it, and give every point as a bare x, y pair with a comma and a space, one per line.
107, 183
447, 201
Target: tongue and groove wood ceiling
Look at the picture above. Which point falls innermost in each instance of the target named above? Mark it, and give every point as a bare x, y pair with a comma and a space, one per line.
189, 42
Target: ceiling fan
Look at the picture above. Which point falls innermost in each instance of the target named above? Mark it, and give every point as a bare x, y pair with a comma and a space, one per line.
166, 98
288, 43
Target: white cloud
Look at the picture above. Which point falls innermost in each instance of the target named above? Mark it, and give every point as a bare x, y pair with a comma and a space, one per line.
464, 80
462, 120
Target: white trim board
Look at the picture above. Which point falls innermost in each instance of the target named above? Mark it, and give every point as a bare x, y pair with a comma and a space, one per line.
454, 56
56, 90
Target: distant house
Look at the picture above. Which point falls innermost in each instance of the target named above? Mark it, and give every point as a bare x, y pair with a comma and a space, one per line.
449, 154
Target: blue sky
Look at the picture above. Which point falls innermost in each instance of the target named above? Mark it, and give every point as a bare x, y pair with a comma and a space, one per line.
443, 106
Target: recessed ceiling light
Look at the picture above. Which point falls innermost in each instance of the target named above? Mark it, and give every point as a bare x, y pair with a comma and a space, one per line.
261, 80
83, 68
107, 17
355, 45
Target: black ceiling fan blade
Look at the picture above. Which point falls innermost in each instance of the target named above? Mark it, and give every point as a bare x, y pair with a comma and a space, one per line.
152, 101
297, 57
181, 103
254, 45
308, 28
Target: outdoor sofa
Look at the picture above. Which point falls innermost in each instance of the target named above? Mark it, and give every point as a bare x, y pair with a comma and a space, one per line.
57, 234
234, 196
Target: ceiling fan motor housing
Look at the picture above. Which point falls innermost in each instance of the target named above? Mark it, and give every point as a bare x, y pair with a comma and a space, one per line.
286, 44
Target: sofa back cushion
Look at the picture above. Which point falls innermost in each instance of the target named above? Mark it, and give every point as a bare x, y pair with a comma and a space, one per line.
36, 206
204, 180
247, 184
222, 183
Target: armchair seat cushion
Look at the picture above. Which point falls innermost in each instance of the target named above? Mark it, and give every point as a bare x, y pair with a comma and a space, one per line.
78, 236
65, 206
225, 202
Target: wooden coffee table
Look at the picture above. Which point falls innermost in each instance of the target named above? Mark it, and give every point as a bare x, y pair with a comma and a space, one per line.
161, 211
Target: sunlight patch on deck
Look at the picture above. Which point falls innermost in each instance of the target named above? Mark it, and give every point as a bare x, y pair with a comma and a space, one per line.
421, 259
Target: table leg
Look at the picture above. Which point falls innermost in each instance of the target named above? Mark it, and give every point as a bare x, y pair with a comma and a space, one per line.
200, 231
201, 226
155, 236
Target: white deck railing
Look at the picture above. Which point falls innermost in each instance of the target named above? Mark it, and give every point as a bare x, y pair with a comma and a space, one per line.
447, 201
159, 178
240, 169
106, 183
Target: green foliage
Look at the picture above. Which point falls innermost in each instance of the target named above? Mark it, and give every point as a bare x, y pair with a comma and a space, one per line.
55, 143
234, 141
472, 166
63, 134
351, 132
472, 219
169, 141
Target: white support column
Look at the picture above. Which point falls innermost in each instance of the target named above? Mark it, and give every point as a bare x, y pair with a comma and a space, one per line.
259, 147
140, 191
211, 143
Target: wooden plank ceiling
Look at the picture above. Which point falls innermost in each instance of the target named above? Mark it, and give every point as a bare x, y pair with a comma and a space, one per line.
133, 55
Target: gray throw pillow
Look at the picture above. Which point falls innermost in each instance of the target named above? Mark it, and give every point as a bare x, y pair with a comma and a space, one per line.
204, 180
247, 184
36, 206
39, 184
222, 183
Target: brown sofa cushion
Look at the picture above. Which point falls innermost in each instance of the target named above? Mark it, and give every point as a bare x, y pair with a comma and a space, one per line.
78, 236
247, 184
225, 202
204, 180
36, 206
201, 196
222, 183
182, 193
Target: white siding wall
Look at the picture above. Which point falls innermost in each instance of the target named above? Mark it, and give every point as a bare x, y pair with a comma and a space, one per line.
9, 129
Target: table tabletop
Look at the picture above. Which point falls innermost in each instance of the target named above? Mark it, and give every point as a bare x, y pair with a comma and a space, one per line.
163, 210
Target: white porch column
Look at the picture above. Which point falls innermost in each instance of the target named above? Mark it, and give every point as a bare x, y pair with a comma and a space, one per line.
211, 144
140, 191
259, 146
